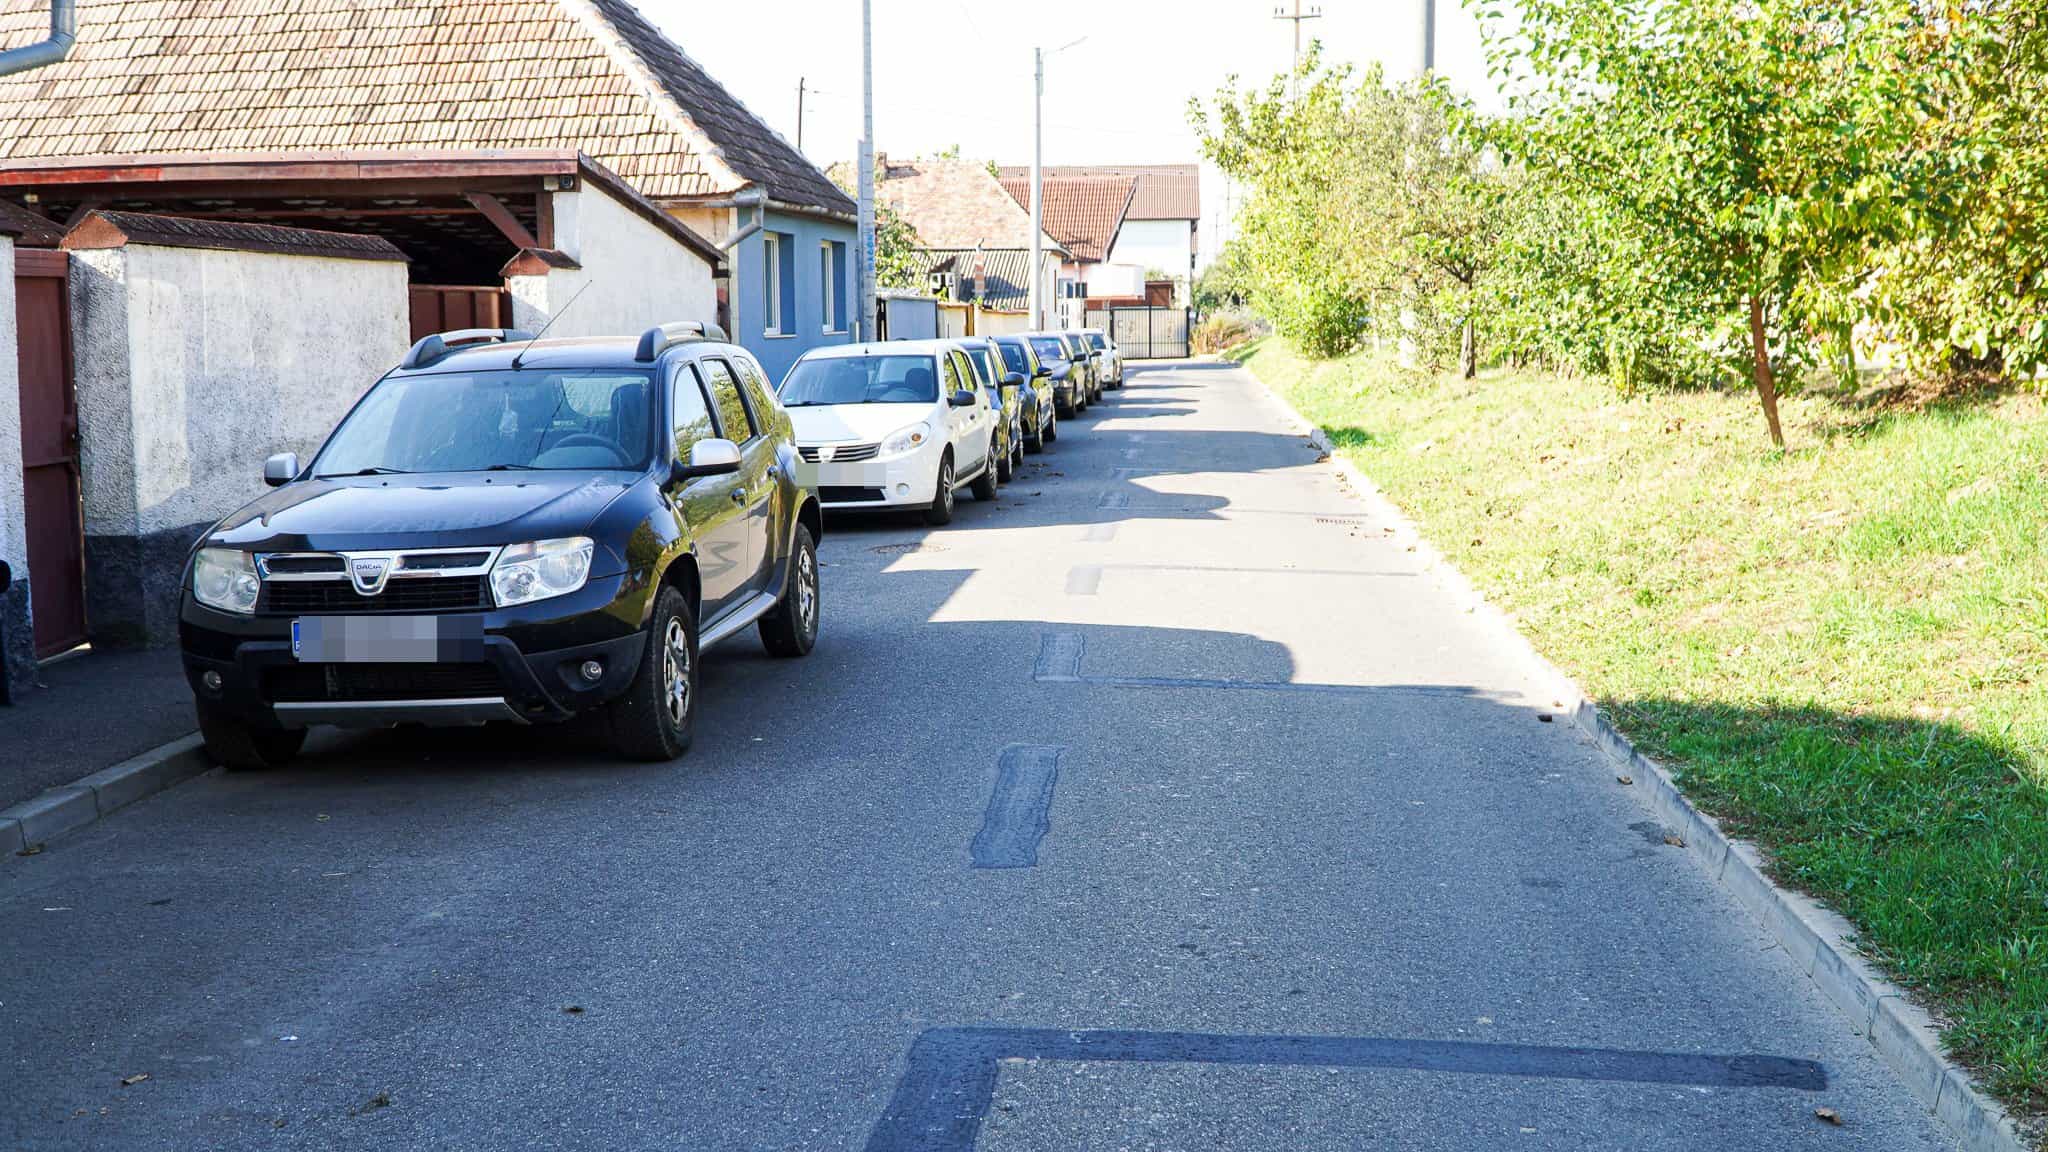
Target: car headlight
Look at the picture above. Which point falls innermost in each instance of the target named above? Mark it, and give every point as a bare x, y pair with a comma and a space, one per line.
906, 439
225, 578
528, 572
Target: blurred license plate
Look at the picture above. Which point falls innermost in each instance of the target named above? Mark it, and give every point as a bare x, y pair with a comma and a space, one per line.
387, 639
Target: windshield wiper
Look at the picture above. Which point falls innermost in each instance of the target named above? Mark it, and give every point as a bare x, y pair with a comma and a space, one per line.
511, 467
378, 470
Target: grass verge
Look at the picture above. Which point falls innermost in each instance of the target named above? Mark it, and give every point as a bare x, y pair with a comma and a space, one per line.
1838, 649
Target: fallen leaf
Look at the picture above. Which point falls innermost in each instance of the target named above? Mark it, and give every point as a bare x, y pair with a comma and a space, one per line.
574, 1009
1322, 457
321, 816
1624, 779
31, 850
380, 1100
1829, 1115
1674, 839
139, 1077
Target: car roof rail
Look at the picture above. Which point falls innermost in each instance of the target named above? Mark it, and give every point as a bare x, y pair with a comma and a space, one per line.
663, 337
440, 344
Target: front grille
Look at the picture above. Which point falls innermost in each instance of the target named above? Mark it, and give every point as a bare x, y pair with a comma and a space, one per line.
339, 597
841, 494
841, 453
322, 683
304, 565
441, 561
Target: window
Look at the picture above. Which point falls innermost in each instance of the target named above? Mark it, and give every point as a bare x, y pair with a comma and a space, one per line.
825, 380
733, 418
689, 415
1015, 357
984, 364
778, 283
832, 272
756, 383
540, 418
951, 366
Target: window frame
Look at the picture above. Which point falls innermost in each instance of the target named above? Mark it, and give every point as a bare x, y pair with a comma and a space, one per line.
828, 291
739, 391
687, 371
771, 285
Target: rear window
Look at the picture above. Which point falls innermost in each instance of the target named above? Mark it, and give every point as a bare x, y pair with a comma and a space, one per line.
861, 380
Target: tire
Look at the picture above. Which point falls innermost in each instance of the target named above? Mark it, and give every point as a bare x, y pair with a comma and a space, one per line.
239, 746
1006, 468
985, 484
941, 511
791, 629
1035, 442
1051, 431
1016, 453
657, 716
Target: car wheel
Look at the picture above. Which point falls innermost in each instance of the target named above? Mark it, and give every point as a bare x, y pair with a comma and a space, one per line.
941, 511
792, 628
1051, 431
240, 746
985, 484
1006, 468
1016, 453
654, 720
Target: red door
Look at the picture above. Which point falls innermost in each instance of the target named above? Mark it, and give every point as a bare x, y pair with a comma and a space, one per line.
49, 452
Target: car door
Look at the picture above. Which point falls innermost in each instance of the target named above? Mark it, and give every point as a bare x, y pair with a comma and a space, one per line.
756, 491
771, 518
959, 421
977, 422
713, 508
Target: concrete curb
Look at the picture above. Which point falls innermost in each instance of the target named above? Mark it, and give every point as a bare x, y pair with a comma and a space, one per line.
1819, 941
84, 801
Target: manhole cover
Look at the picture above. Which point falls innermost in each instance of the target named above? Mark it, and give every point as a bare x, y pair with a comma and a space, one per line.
906, 549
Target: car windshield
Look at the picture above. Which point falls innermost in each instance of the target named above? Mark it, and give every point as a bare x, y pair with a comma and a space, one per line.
535, 418
1098, 341
1049, 347
984, 363
1014, 357
861, 380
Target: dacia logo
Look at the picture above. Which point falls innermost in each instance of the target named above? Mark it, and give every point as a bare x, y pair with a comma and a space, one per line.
826, 453
368, 573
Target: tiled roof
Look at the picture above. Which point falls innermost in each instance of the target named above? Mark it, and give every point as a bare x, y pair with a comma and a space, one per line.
28, 229
120, 229
953, 204
1165, 191
231, 76
1006, 273
1082, 212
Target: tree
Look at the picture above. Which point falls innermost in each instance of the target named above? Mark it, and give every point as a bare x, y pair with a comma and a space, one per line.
1750, 146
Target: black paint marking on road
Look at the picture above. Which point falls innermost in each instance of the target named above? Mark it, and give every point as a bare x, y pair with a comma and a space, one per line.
1084, 579
950, 1081
1020, 809
1100, 533
1059, 658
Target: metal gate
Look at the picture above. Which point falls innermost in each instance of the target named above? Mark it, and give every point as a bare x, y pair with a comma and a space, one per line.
448, 307
49, 452
1148, 333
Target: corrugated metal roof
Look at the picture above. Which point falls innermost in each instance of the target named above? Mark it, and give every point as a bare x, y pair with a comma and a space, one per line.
181, 76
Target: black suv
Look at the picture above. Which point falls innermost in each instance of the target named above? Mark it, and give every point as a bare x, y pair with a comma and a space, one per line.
509, 529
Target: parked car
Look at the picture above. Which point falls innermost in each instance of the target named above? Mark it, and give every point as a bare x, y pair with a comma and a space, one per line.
1041, 417
899, 424
1069, 376
1005, 392
1109, 364
509, 529
1087, 358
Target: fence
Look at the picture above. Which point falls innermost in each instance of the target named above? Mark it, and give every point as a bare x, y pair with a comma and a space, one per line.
1146, 333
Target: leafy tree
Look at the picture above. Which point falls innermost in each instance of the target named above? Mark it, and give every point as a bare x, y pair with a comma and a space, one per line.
1227, 281
1749, 147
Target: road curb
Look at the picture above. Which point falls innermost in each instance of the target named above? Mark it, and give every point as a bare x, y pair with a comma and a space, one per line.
84, 801
1819, 940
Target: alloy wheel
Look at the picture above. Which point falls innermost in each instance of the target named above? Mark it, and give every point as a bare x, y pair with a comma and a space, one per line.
675, 672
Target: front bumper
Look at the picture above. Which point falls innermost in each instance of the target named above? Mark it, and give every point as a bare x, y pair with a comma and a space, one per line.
900, 482
530, 668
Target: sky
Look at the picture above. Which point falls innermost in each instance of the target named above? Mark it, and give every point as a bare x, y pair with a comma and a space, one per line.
958, 72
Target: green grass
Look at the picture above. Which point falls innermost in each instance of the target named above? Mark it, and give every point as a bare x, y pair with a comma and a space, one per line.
1841, 650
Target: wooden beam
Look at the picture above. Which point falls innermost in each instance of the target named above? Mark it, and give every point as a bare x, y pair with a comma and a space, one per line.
495, 211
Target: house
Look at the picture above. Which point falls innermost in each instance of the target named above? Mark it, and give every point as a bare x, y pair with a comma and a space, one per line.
1161, 225
249, 207
974, 242
1085, 214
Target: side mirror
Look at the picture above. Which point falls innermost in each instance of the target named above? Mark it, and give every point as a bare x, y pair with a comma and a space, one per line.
707, 458
278, 470
1013, 380
962, 399
1044, 370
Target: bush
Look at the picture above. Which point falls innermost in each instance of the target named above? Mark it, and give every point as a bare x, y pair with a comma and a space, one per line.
1226, 330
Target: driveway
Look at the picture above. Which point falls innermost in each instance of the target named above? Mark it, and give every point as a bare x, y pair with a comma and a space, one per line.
1170, 803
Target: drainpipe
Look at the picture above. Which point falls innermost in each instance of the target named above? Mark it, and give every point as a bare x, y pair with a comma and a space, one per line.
63, 30
755, 198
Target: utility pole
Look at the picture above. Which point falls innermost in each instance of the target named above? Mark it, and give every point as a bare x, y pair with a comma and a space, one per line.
867, 170
1428, 37
1312, 12
1037, 188
800, 113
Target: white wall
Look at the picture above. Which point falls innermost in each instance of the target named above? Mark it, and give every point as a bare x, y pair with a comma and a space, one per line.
1161, 244
13, 529
194, 364
637, 275
1117, 280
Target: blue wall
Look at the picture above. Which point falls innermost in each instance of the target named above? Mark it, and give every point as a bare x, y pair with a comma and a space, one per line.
807, 328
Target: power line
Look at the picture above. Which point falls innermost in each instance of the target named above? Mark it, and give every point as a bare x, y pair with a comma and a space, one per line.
1313, 12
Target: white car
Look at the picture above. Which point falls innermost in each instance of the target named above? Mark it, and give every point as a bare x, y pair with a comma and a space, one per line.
899, 424
1110, 368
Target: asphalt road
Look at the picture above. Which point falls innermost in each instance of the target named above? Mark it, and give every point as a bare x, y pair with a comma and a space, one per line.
1168, 803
